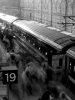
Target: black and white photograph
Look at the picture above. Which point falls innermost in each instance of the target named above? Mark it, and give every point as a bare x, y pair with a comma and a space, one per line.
37, 49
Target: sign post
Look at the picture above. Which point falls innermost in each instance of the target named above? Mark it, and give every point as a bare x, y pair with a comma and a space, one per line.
8, 75
3, 92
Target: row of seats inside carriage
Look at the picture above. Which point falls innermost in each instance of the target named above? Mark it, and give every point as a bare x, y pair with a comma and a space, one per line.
32, 78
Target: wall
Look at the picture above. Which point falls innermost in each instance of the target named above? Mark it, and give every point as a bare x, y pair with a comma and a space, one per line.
9, 6
50, 12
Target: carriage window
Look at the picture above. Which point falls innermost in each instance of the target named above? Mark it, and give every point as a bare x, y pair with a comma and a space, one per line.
72, 67
60, 62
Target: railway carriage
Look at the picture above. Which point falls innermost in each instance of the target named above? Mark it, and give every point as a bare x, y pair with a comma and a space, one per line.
7, 18
49, 44
6, 34
71, 68
6, 21
51, 47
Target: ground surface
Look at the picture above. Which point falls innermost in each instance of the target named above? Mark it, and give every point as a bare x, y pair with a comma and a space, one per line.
17, 93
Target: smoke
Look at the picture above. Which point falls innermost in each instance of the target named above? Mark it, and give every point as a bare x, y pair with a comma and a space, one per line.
30, 81
33, 78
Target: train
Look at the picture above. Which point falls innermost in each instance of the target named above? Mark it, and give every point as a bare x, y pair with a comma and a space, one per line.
49, 46
5, 22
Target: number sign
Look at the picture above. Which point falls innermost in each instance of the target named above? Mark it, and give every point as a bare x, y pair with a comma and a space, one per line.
9, 75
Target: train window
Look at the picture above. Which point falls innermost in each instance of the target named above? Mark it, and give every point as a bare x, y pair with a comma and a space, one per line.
33, 44
44, 50
72, 67
46, 53
39, 48
27, 37
60, 62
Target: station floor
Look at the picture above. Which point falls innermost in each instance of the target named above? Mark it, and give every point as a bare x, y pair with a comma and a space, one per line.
25, 96
11, 95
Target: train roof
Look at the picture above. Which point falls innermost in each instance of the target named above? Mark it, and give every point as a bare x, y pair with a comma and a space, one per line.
53, 28
38, 23
52, 37
71, 52
7, 18
1, 15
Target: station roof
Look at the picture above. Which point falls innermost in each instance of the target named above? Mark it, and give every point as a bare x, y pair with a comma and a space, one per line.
51, 36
